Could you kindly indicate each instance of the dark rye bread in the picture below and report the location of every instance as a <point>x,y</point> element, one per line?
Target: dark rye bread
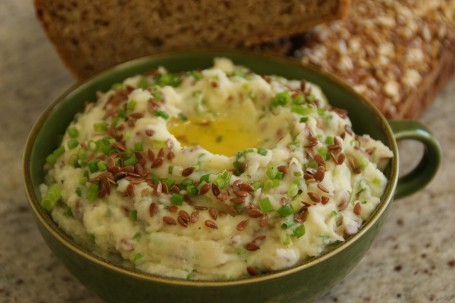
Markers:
<point>91,35</point>
<point>398,54</point>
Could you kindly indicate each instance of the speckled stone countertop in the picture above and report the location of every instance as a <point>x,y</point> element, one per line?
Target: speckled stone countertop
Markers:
<point>411,260</point>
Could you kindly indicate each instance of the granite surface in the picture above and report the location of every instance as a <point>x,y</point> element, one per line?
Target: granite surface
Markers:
<point>411,260</point>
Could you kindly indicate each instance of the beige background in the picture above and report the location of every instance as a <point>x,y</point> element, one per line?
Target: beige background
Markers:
<point>412,259</point>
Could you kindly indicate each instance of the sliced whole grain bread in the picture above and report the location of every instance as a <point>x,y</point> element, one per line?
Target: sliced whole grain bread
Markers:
<point>398,54</point>
<point>91,35</point>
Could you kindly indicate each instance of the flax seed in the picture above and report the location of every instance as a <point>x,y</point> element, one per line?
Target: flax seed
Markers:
<point>172,208</point>
<point>151,155</point>
<point>149,132</point>
<point>246,187</point>
<point>161,153</point>
<point>184,215</point>
<point>238,200</point>
<point>263,221</point>
<point>130,190</point>
<point>169,220</point>
<point>158,189</point>
<point>210,224</point>
<point>241,193</point>
<point>314,197</point>
<point>341,158</point>
<point>283,169</point>
<point>357,209</point>
<point>251,270</point>
<point>153,209</point>
<point>242,225</point>
<point>215,190</point>
<point>320,174</point>
<point>119,145</point>
<point>187,171</point>
<point>158,162</point>
<point>213,213</point>
<point>324,200</point>
<point>175,189</point>
<point>319,160</point>
<point>170,156</point>
<point>182,222</point>
<point>251,246</point>
<point>194,216</point>
<point>255,213</point>
<point>204,189</point>
<point>323,188</point>
<point>145,192</point>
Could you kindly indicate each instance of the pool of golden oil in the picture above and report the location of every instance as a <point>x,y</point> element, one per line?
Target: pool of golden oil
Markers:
<point>224,135</point>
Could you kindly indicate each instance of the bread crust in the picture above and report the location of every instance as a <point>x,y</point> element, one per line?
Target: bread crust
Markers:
<point>397,54</point>
<point>93,35</point>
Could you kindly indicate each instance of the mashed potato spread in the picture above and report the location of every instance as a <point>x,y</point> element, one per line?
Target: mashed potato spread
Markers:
<point>212,174</point>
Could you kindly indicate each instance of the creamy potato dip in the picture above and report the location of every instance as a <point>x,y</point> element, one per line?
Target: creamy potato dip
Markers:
<point>212,174</point>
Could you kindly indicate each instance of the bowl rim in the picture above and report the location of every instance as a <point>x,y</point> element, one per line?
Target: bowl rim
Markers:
<point>64,239</point>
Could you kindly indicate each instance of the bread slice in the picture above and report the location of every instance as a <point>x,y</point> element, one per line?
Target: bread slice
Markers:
<point>92,35</point>
<point>398,54</point>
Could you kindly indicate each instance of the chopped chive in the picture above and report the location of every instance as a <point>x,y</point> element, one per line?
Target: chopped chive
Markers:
<point>186,182</point>
<point>274,174</point>
<point>285,210</point>
<point>196,74</point>
<point>130,161</point>
<point>59,151</point>
<point>83,180</point>
<point>183,117</point>
<point>192,190</point>
<point>100,127</point>
<point>168,181</point>
<point>205,178</point>
<point>134,215</point>
<point>293,190</point>
<point>73,132</point>
<point>281,99</point>
<point>136,257</point>
<point>262,151</point>
<point>223,179</point>
<point>301,110</point>
<point>299,231</point>
<point>176,199</point>
<point>296,205</point>
<point>139,147</point>
<point>298,99</point>
<point>303,119</point>
<point>170,169</point>
<point>137,236</point>
<point>52,196</point>
<point>324,153</point>
<point>68,213</point>
<point>162,114</point>
<point>131,105</point>
<point>265,205</point>
<point>117,86</point>
<point>329,140</point>
<point>92,192</point>
<point>102,166</point>
<point>121,113</point>
<point>287,224</point>
<point>167,79</point>
<point>321,111</point>
<point>92,166</point>
<point>143,83</point>
<point>72,143</point>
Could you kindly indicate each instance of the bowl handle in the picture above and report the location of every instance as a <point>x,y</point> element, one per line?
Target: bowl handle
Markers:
<point>426,169</point>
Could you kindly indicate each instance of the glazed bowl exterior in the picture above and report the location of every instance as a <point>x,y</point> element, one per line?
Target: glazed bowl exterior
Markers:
<point>303,283</point>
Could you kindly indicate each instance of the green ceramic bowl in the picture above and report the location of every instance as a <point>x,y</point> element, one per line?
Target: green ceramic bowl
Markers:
<point>303,283</point>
